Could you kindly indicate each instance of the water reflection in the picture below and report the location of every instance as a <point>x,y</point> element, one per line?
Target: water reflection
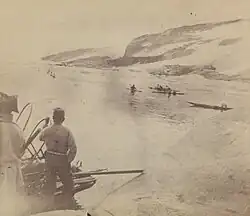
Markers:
<point>161,106</point>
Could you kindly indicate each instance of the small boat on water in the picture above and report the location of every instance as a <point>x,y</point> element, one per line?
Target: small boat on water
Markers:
<point>169,92</point>
<point>133,89</point>
<point>165,90</point>
<point>160,88</point>
<point>222,107</point>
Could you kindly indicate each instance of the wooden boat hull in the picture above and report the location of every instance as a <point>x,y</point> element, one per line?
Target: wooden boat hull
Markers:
<point>167,92</point>
<point>206,106</point>
<point>34,178</point>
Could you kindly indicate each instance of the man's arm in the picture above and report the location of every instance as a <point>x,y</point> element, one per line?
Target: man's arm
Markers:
<point>42,135</point>
<point>72,147</point>
<point>18,141</point>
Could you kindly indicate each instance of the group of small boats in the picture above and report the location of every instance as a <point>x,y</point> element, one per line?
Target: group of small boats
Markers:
<point>165,90</point>
<point>170,92</point>
<point>33,164</point>
<point>157,89</point>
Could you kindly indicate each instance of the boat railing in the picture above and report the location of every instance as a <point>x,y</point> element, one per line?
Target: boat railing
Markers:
<point>34,153</point>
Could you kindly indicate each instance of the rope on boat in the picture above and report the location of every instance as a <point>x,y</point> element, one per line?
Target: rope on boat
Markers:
<point>34,132</point>
<point>20,114</point>
<point>33,135</point>
<point>28,119</point>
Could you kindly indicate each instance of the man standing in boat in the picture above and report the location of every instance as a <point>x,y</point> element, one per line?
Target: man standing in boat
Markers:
<point>61,151</point>
<point>11,141</point>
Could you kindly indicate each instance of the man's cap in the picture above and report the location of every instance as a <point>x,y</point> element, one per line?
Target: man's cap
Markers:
<point>8,103</point>
<point>58,112</point>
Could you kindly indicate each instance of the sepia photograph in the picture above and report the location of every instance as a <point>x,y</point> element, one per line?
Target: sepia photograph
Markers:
<point>125,108</point>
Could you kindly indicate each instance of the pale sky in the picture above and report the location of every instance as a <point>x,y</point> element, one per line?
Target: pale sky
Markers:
<point>31,29</point>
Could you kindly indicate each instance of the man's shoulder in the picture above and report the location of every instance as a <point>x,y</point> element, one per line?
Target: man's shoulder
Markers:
<point>17,127</point>
<point>47,129</point>
<point>54,128</point>
<point>61,128</point>
<point>66,129</point>
<point>12,125</point>
<point>13,129</point>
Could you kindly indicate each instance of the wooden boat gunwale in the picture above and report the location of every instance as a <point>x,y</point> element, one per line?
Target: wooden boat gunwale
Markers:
<point>206,106</point>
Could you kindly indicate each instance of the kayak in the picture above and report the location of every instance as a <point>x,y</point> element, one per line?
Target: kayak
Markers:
<point>206,106</point>
<point>167,92</point>
<point>160,89</point>
<point>134,90</point>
